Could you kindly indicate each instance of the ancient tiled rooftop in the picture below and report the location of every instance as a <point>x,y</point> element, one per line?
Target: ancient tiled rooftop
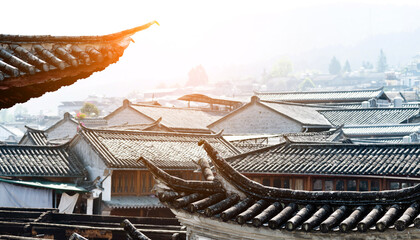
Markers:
<point>367,116</point>
<point>231,199</point>
<point>39,161</point>
<point>180,118</point>
<point>332,158</point>
<point>35,137</point>
<point>381,130</point>
<point>122,149</point>
<point>33,65</point>
<point>323,96</point>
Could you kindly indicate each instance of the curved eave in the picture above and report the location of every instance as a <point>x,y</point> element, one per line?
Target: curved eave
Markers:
<point>33,65</point>
<point>256,190</point>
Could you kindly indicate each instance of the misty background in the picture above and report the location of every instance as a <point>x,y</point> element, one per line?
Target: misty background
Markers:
<point>233,41</point>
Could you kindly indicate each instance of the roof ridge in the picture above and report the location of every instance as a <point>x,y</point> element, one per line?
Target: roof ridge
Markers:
<point>50,38</point>
<point>303,92</point>
<point>149,132</point>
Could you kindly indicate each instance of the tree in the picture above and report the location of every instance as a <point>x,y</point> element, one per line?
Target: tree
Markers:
<point>347,67</point>
<point>90,109</point>
<point>197,77</point>
<point>382,65</point>
<point>367,65</point>
<point>335,67</point>
<point>281,68</point>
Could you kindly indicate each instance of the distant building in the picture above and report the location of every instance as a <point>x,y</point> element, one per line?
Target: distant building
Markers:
<point>372,115</point>
<point>177,119</point>
<point>9,134</point>
<point>326,96</point>
<point>259,117</point>
<point>61,132</point>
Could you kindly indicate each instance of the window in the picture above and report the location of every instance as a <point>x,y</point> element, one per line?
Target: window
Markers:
<point>339,185</point>
<point>329,185</point>
<point>351,185</point>
<point>317,185</point>
<point>277,182</point>
<point>363,185</point>
<point>374,185</point>
<point>124,182</point>
<point>394,185</point>
<point>286,183</point>
<point>299,184</point>
<point>266,182</point>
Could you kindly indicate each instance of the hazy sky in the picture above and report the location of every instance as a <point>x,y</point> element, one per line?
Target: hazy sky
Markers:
<point>215,34</point>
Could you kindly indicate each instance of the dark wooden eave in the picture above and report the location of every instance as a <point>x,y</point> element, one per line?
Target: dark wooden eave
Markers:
<point>246,202</point>
<point>256,190</point>
<point>33,65</point>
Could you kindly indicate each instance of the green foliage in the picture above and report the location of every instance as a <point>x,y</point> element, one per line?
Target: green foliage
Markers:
<point>197,77</point>
<point>281,68</point>
<point>382,65</point>
<point>307,83</point>
<point>347,67</point>
<point>90,110</point>
<point>335,66</point>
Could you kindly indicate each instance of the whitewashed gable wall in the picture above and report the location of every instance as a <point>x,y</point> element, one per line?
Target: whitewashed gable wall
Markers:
<point>128,115</point>
<point>63,130</point>
<point>93,164</point>
<point>257,119</point>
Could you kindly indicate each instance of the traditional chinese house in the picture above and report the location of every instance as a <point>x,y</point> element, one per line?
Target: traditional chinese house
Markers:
<point>59,133</point>
<point>259,117</point>
<point>112,156</point>
<point>39,176</point>
<point>231,206</point>
<point>333,97</point>
<point>33,65</point>
<point>178,119</point>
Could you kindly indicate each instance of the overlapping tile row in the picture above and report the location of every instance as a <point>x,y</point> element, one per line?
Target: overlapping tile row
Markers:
<point>286,215</point>
<point>381,130</point>
<point>322,97</point>
<point>367,116</point>
<point>331,158</point>
<point>180,118</point>
<point>242,201</point>
<point>122,149</point>
<point>38,138</point>
<point>33,65</point>
<point>39,161</point>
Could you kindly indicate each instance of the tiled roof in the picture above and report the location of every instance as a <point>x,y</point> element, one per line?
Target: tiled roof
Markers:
<point>388,140</point>
<point>380,130</point>
<point>33,65</point>
<point>253,143</point>
<point>180,118</point>
<point>122,149</point>
<point>323,96</point>
<point>39,161</point>
<point>262,211</point>
<point>331,158</point>
<point>367,116</point>
<point>303,114</point>
<point>134,202</point>
<point>35,136</point>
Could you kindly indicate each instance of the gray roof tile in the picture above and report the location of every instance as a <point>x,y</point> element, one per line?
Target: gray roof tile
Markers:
<point>122,149</point>
<point>39,161</point>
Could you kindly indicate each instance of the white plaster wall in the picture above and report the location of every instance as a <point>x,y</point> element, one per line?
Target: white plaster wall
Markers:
<point>93,164</point>
<point>128,115</point>
<point>257,119</point>
<point>63,130</point>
